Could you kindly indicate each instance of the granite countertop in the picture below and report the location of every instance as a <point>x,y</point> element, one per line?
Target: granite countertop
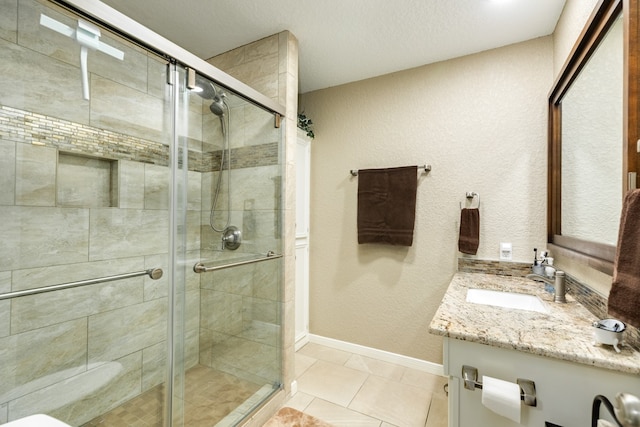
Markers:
<point>565,333</point>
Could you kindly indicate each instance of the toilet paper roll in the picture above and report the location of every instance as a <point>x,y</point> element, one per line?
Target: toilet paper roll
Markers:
<point>502,397</point>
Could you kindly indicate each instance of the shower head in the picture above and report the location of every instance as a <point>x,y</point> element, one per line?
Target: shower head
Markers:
<point>205,89</point>
<point>218,105</point>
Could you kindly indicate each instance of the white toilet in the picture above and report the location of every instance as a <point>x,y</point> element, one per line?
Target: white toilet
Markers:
<point>38,420</point>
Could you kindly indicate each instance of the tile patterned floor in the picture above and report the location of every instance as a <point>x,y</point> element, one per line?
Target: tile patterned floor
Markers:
<point>210,395</point>
<point>349,390</point>
<point>337,387</point>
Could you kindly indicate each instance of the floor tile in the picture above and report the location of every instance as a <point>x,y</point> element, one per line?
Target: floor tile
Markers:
<point>430,382</point>
<point>327,354</point>
<point>332,382</point>
<point>339,416</point>
<point>303,363</point>
<point>438,412</point>
<point>376,367</point>
<point>393,402</point>
<point>300,401</point>
<point>209,396</point>
<point>390,396</point>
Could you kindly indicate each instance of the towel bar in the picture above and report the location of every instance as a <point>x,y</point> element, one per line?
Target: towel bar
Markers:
<point>427,168</point>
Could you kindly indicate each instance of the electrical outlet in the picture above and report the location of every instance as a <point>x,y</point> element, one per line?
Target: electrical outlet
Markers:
<point>505,251</point>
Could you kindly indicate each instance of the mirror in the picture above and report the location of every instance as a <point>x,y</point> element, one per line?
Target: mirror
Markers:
<point>593,129</point>
<point>592,123</point>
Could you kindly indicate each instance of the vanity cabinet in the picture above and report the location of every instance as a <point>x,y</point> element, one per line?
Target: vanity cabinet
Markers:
<point>553,348</point>
<point>564,390</point>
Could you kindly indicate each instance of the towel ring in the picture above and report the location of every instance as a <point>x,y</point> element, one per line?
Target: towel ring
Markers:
<point>470,195</point>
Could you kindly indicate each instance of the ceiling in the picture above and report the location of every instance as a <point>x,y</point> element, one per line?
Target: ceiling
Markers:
<point>342,41</point>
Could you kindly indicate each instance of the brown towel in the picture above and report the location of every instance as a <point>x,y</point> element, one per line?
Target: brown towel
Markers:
<point>469,231</point>
<point>387,205</point>
<point>624,297</point>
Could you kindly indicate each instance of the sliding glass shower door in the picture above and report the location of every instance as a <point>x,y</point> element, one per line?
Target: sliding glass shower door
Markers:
<point>117,178</point>
<point>235,265</point>
<point>85,152</point>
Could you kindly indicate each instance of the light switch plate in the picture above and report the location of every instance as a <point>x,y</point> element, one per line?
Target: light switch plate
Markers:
<point>506,252</point>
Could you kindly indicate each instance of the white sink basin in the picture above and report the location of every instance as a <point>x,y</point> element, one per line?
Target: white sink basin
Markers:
<point>506,300</point>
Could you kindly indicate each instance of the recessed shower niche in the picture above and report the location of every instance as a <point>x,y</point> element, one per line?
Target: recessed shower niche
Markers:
<point>84,181</point>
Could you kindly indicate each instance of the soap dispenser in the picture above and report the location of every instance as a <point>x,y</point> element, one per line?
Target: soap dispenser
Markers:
<point>537,267</point>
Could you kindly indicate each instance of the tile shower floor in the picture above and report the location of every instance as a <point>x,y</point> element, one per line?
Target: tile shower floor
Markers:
<point>210,396</point>
<point>349,390</point>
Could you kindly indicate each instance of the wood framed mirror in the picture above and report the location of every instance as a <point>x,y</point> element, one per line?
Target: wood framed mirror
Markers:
<point>593,134</point>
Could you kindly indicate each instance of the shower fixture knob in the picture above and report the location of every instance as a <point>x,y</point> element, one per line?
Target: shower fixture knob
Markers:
<point>231,238</point>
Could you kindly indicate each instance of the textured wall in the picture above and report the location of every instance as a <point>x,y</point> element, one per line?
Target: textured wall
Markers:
<point>573,19</point>
<point>480,121</point>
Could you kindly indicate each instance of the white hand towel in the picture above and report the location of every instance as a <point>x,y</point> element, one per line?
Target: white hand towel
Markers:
<point>502,397</point>
<point>605,423</point>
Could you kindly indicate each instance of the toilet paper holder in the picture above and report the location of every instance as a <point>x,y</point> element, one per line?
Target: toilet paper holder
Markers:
<point>527,387</point>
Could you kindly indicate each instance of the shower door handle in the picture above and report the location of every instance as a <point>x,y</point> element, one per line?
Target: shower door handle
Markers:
<point>200,267</point>
<point>154,273</point>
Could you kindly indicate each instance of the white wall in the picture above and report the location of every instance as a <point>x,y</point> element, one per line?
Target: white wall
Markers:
<point>480,121</point>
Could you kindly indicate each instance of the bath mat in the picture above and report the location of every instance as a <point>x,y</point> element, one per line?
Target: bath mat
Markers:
<point>289,417</point>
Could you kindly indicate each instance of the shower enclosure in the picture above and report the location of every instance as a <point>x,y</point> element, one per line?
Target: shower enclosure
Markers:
<point>113,168</point>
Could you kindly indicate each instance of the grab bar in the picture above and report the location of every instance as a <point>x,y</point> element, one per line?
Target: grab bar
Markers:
<point>200,268</point>
<point>154,273</point>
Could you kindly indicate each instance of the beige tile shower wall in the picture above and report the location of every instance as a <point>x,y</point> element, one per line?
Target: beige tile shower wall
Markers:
<point>480,121</point>
<point>238,319</point>
<point>77,353</point>
<point>241,305</point>
<point>270,66</point>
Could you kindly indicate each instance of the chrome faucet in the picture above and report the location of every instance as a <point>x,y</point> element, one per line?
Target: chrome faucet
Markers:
<point>557,280</point>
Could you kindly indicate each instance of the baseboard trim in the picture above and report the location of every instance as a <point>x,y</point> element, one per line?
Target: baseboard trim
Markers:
<point>386,356</point>
<point>301,341</point>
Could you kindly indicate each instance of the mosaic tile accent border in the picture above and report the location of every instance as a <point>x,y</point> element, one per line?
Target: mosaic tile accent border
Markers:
<point>242,157</point>
<point>590,299</point>
<point>501,268</point>
<point>32,128</point>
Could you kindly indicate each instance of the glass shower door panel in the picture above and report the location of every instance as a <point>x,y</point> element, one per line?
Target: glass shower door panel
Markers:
<point>240,222</point>
<point>84,194</point>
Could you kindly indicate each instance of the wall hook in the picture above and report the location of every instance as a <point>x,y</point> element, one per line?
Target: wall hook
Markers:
<point>470,195</point>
